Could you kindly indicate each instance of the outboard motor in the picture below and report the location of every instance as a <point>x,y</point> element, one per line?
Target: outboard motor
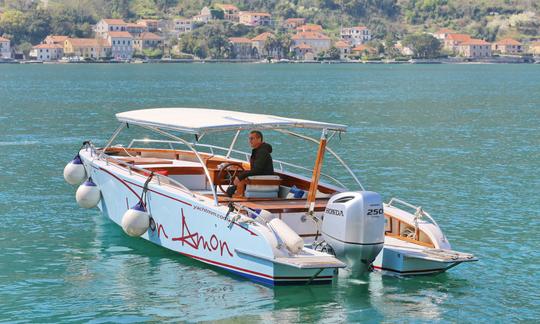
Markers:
<point>353,225</point>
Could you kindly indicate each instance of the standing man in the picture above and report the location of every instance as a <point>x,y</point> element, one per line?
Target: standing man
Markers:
<point>260,162</point>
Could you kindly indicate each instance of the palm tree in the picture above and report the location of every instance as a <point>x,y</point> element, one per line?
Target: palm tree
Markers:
<point>285,43</point>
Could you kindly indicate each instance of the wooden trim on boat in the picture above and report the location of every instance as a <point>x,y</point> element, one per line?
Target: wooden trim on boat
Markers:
<point>264,182</point>
<point>406,239</point>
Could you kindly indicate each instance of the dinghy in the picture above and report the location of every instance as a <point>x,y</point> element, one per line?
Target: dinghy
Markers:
<point>298,226</point>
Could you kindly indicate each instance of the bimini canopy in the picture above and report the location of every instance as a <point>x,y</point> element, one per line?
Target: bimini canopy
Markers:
<point>199,120</point>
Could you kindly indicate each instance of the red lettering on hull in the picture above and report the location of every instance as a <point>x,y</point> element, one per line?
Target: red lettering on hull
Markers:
<point>197,241</point>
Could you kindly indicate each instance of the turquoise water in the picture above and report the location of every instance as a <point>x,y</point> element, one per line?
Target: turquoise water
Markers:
<point>463,141</point>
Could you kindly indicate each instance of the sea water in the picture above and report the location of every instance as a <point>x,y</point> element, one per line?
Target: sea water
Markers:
<point>462,141</point>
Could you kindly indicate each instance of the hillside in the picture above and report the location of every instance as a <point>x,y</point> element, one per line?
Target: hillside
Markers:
<point>30,21</point>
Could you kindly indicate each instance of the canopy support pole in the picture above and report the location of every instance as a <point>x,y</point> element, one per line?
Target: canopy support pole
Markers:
<point>232,144</point>
<point>192,148</point>
<point>312,194</point>
<point>113,137</point>
<point>340,160</point>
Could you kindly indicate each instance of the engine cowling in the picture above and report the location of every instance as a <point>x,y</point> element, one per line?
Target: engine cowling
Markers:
<point>353,225</point>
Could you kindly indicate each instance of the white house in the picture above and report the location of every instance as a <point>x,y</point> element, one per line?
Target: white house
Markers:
<point>49,52</point>
<point>181,26</point>
<point>135,29</point>
<point>442,34</point>
<point>121,44</point>
<point>5,48</point>
<point>55,39</point>
<point>230,12</point>
<point>109,25</point>
<point>147,40</point>
<point>317,42</point>
<point>150,24</point>
<point>255,18</point>
<point>507,46</point>
<point>204,16</point>
<point>356,35</point>
<point>344,49</point>
<point>475,48</point>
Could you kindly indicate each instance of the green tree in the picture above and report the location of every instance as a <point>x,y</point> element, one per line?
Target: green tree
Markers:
<point>333,53</point>
<point>285,43</point>
<point>13,23</point>
<point>25,48</point>
<point>39,25</point>
<point>217,13</point>
<point>423,45</point>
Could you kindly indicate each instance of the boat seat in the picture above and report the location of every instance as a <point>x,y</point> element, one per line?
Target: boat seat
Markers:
<point>263,186</point>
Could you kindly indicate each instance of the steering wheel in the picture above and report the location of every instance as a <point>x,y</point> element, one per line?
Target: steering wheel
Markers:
<point>227,174</point>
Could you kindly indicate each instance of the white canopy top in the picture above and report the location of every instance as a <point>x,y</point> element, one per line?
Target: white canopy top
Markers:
<point>199,120</point>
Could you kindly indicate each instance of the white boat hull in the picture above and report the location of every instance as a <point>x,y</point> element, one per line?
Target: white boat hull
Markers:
<point>194,227</point>
<point>404,261</point>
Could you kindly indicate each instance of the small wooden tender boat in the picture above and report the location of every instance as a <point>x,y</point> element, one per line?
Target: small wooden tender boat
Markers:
<point>290,228</point>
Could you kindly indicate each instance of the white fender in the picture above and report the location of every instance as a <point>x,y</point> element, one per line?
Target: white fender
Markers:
<point>264,217</point>
<point>74,172</point>
<point>88,194</point>
<point>136,221</point>
<point>292,240</point>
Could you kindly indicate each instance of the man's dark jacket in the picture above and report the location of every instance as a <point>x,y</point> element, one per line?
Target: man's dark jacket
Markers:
<point>260,161</point>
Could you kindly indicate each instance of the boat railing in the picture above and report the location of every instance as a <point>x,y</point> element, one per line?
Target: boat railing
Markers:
<point>280,164</point>
<point>118,162</point>
<point>418,211</point>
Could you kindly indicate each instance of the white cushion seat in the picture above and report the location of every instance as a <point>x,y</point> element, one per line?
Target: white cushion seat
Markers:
<point>263,186</point>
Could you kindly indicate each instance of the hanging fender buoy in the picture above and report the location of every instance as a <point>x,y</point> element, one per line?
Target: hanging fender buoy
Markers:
<point>290,238</point>
<point>88,194</point>
<point>136,220</point>
<point>74,172</point>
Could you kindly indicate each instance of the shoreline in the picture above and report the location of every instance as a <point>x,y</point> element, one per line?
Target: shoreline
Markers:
<point>492,60</point>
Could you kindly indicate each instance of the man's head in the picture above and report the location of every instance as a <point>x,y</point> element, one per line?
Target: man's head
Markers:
<point>255,139</point>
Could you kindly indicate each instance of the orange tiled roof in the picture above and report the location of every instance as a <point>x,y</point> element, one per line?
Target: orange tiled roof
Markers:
<point>114,21</point>
<point>359,27</point>
<point>226,6</point>
<point>48,46</point>
<point>149,36</point>
<point>473,41</point>
<point>134,25</point>
<point>84,42</point>
<point>2,39</point>
<point>120,34</point>
<point>249,13</point>
<point>310,35</point>
<point>262,37</point>
<point>239,40</point>
<point>361,48</point>
<point>459,37</point>
<point>291,20</point>
<point>309,28</point>
<point>508,41</point>
<point>303,46</point>
<point>341,44</point>
<point>57,38</point>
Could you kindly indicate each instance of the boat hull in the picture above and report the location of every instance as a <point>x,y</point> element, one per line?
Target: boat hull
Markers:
<point>193,227</point>
<point>404,258</point>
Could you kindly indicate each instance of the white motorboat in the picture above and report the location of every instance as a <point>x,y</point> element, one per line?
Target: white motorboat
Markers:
<point>288,229</point>
<point>414,243</point>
